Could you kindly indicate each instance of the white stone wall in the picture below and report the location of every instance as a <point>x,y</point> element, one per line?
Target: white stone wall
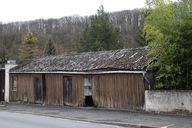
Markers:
<point>7,68</point>
<point>168,101</point>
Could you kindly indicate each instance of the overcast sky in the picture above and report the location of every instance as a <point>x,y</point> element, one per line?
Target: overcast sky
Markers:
<point>23,10</point>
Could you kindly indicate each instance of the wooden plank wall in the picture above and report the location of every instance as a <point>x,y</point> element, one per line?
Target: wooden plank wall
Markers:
<point>53,93</point>
<point>2,84</point>
<point>124,91</point>
<point>25,88</point>
<point>78,90</point>
<point>54,89</point>
<point>109,90</point>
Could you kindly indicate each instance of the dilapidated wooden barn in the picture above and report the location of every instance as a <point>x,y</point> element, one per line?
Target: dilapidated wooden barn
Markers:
<point>112,79</point>
<point>2,84</point>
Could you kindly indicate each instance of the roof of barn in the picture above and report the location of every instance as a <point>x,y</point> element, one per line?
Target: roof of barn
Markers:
<point>132,59</point>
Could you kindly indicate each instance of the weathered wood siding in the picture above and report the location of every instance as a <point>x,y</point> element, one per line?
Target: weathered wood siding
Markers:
<point>118,91</point>
<point>25,88</point>
<point>53,88</point>
<point>78,90</point>
<point>2,84</point>
<point>109,90</point>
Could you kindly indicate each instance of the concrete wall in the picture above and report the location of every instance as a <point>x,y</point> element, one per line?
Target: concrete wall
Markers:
<point>10,64</point>
<point>168,101</point>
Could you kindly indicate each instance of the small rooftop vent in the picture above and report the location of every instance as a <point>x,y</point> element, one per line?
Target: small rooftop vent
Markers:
<point>11,62</point>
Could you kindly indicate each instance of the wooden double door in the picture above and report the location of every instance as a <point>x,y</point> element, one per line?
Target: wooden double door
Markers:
<point>67,90</point>
<point>39,87</point>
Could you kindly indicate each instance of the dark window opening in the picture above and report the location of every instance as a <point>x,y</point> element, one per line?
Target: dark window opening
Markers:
<point>88,101</point>
<point>14,83</point>
<point>88,86</point>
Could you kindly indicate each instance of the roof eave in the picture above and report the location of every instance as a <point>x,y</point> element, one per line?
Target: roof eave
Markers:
<point>84,73</point>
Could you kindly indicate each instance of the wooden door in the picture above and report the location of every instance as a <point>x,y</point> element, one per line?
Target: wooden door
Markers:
<point>38,90</point>
<point>67,90</point>
<point>2,84</point>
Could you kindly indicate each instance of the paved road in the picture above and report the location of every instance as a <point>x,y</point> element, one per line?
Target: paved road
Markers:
<point>118,118</point>
<point>17,120</point>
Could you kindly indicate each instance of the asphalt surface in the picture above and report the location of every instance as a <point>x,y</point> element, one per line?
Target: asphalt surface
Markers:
<point>102,116</point>
<point>17,120</point>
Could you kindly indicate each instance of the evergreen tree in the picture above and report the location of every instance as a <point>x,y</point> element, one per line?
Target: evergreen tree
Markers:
<point>49,49</point>
<point>167,31</point>
<point>100,34</point>
<point>28,47</point>
<point>3,55</point>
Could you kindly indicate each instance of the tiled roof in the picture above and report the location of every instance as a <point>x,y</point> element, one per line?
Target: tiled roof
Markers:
<point>132,59</point>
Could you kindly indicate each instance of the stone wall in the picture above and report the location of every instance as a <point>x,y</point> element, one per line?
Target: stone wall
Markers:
<point>168,101</point>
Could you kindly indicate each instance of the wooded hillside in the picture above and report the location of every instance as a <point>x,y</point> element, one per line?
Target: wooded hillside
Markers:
<point>66,32</point>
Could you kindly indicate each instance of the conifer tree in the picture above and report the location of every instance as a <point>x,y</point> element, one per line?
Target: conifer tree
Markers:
<point>28,47</point>
<point>100,34</point>
<point>3,55</point>
<point>49,49</point>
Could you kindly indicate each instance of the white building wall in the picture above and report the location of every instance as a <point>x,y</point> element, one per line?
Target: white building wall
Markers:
<point>10,64</point>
